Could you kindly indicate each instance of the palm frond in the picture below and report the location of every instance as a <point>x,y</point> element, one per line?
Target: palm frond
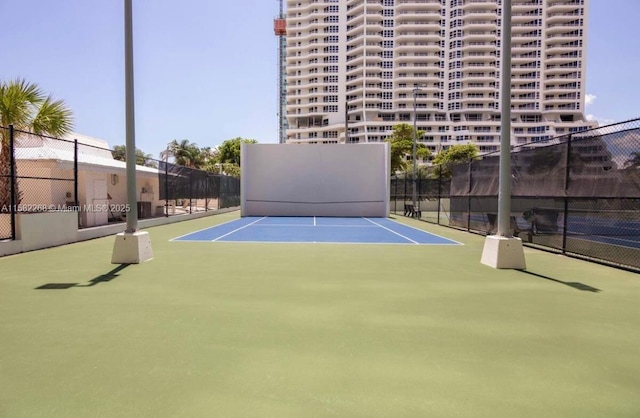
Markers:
<point>18,101</point>
<point>53,118</point>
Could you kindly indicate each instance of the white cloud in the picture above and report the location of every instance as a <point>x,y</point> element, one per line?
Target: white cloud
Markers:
<point>601,121</point>
<point>589,99</point>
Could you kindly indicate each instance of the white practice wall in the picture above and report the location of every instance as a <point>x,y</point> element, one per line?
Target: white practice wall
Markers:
<point>315,180</point>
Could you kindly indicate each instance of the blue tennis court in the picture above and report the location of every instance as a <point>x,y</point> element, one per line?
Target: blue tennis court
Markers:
<point>316,230</point>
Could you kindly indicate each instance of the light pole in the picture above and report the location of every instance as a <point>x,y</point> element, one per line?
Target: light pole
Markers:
<point>503,250</point>
<point>131,246</point>
<point>416,89</point>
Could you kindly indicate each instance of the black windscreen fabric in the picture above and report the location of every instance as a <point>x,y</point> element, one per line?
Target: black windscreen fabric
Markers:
<point>178,182</point>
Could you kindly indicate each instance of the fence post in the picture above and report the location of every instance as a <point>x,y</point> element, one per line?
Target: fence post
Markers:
<point>166,189</point>
<point>567,179</point>
<point>12,179</point>
<point>190,193</point>
<point>75,173</point>
<point>404,196</point>
<point>439,191</point>
<point>469,199</point>
<point>206,193</point>
<point>76,202</point>
<point>419,183</point>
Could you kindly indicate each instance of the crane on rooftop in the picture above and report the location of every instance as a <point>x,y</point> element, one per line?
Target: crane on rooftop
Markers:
<point>280,29</point>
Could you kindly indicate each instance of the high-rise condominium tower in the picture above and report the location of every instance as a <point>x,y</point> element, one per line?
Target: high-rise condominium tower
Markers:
<point>382,62</point>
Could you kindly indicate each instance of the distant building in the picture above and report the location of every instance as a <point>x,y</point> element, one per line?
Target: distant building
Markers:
<point>365,58</point>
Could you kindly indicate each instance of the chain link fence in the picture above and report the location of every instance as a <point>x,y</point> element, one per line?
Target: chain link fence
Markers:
<point>578,194</point>
<point>43,174</point>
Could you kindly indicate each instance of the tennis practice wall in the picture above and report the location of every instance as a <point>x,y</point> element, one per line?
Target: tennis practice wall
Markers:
<point>315,180</point>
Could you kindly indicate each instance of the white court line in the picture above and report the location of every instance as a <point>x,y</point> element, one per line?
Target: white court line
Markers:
<point>313,242</point>
<point>426,232</point>
<point>204,229</point>
<point>319,226</point>
<point>609,237</point>
<point>390,230</point>
<point>237,229</point>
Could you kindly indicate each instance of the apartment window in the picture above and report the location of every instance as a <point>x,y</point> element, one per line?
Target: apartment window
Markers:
<point>387,54</point>
<point>387,44</point>
<point>387,3</point>
<point>387,95</point>
<point>387,13</point>
<point>531,118</point>
<point>331,9</point>
<point>537,130</point>
<point>387,33</point>
<point>387,64</point>
<point>387,85</point>
<point>331,19</point>
<point>331,39</point>
<point>387,74</point>
<point>388,23</point>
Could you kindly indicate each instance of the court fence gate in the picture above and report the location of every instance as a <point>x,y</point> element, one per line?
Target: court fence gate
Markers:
<point>577,194</point>
<point>40,174</point>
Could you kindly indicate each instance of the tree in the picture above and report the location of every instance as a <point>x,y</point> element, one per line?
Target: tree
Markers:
<point>25,106</point>
<point>453,155</point>
<point>633,161</point>
<point>119,153</point>
<point>229,150</point>
<point>184,153</point>
<point>402,146</point>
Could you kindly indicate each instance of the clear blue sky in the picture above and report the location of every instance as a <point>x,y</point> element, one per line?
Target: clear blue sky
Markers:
<point>206,70</point>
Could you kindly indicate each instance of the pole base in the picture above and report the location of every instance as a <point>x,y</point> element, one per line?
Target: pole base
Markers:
<point>132,248</point>
<point>503,253</point>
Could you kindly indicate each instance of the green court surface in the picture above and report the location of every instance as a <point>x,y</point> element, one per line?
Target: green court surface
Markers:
<point>314,330</point>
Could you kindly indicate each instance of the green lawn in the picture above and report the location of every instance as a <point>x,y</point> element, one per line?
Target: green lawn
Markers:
<point>313,330</point>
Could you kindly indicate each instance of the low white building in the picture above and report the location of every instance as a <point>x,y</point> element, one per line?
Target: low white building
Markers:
<point>45,167</point>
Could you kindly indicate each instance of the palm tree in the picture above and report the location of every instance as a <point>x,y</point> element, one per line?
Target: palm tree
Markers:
<point>25,106</point>
<point>184,153</point>
<point>119,153</point>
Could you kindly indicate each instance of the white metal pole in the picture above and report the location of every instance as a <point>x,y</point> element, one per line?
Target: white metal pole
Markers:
<point>504,193</point>
<point>132,200</point>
